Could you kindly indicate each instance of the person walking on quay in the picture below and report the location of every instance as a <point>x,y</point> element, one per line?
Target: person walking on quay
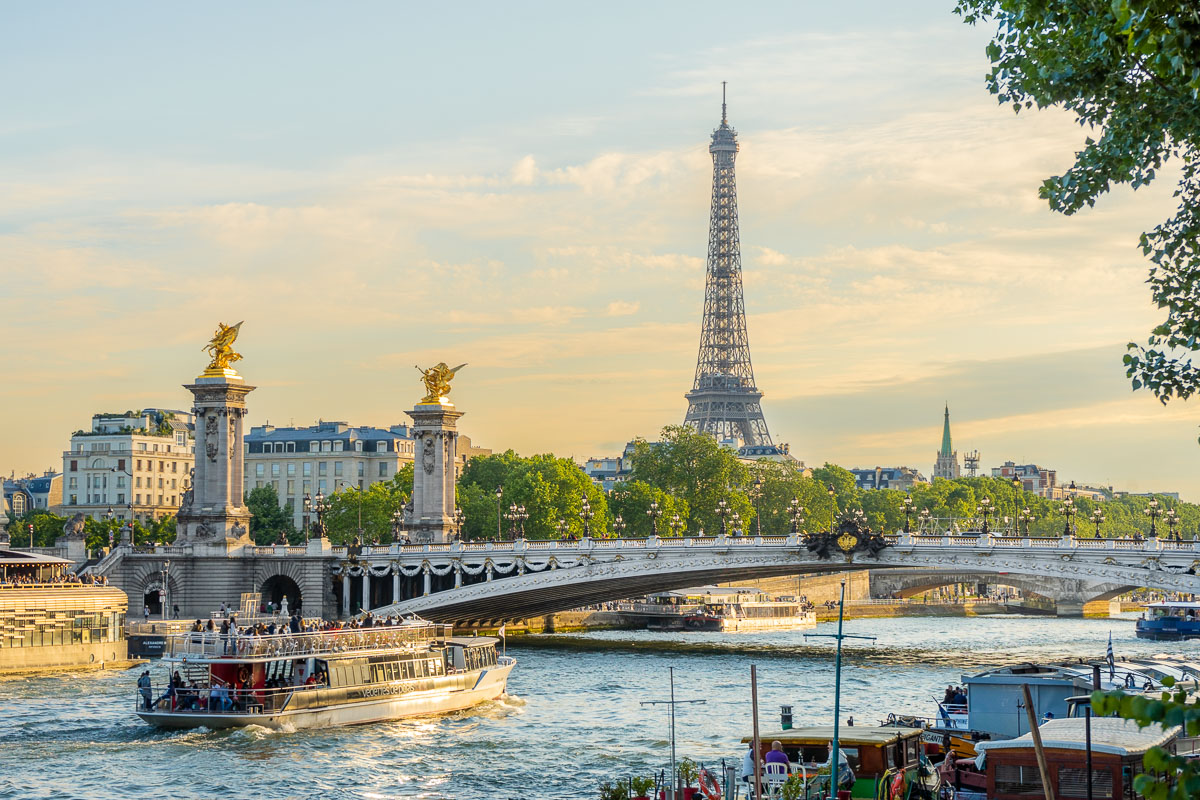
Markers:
<point>175,610</point>
<point>146,612</point>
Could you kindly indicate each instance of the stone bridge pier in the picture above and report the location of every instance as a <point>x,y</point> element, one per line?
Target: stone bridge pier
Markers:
<point>1068,594</point>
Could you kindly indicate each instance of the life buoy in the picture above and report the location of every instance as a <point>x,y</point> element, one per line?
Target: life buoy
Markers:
<point>244,673</point>
<point>709,785</point>
<point>897,789</point>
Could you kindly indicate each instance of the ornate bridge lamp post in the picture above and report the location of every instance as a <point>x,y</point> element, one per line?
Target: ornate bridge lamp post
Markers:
<point>1172,525</point>
<point>499,498</point>
<point>795,512</point>
<point>522,515</point>
<point>654,512</point>
<point>1153,511</point>
<point>676,523</point>
<point>397,524</point>
<point>1068,509</point>
<point>832,504</point>
<point>561,527</point>
<point>459,519</point>
<point>516,517</point>
<point>736,519</point>
<point>1097,520</point>
<point>758,484</point>
<point>907,506</point>
<point>307,511</point>
<point>619,526</point>
<point>586,515</point>
<point>925,520</point>
<point>722,511</point>
<point>1026,516</point>
<point>986,507</point>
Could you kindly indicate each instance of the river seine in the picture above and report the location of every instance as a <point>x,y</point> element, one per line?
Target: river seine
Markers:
<point>572,718</point>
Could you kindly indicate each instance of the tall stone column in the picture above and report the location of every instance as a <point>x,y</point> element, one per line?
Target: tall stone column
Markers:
<point>431,519</point>
<point>214,510</point>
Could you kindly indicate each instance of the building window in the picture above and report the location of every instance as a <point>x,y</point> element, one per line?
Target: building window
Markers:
<point>120,498</point>
<point>291,469</point>
<point>322,468</point>
<point>383,469</point>
<point>160,497</point>
<point>321,487</point>
<point>358,446</point>
<point>120,481</point>
<point>268,447</point>
<point>139,463</point>
<point>362,465</point>
<point>74,466</point>
<point>326,447</point>
<point>258,471</point>
<point>71,484</point>
<point>337,447</point>
<point>337,469</point>
<point>121,464</point>
<point>173,486</point>
<point>291,487</point>
<point>275,470</point>
<point>174,466</point>
<point>74,500</point>
<point>308,469</point>
<point>291,447</point>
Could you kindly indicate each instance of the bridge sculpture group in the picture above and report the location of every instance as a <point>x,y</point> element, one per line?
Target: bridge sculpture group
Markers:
<point>496,581</point>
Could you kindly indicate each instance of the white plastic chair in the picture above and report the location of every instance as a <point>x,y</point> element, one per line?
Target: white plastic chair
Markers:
<point>774,776</point>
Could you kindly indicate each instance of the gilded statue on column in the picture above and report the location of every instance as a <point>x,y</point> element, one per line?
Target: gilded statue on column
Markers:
<point>437,381</point>
<point>220,347</point>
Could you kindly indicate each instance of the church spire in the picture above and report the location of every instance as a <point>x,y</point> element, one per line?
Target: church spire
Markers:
<point>946,448</point>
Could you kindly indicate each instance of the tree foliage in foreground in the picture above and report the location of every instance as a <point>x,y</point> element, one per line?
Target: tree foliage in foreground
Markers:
<point>1167,776</point>
<point>1130,72</point>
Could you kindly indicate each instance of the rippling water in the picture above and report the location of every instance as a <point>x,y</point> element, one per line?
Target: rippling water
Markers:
<point>572,719</point>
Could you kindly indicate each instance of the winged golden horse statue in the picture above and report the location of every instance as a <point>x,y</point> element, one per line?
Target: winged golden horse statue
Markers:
<point>221,346</point>
<point>437,381</point>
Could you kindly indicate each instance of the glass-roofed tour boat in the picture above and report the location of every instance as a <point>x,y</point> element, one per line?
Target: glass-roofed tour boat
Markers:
<point>321,678</point>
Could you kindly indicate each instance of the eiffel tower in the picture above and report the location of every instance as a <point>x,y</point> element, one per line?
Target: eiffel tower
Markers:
<point>724,400</point>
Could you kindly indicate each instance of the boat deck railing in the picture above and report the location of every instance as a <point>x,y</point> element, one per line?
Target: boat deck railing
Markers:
<point>216,699</point>
<point>297,645</point>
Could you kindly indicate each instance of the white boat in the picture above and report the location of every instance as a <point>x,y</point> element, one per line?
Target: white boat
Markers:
<point>322,679</point>
<point>718,608</point>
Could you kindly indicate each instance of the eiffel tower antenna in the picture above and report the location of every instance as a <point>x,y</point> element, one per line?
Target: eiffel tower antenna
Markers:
<point>724,400</point>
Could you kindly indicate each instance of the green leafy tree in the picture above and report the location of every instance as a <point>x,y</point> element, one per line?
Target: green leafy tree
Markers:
<point>268,519</point>
<point>632,501</point>
<point>696,469</point>
<point>1129,70</point>
<point>549,488</point>
<point>1167,776</point>
<point>376,506</point>
<point>47,528</point>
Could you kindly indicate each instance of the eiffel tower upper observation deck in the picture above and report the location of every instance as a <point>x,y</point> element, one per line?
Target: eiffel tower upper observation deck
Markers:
<point>724,400</point>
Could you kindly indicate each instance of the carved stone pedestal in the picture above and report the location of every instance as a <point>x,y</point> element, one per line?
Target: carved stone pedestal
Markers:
<point>214,509</point>
<point>431,518</point>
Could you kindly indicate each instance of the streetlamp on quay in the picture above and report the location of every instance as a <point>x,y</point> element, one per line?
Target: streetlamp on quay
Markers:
<point>166,592</point>
<point>320,506</point>
<point>499,497</point>
<point>758,484</point>
<point>832,492</point>
<point>907,506</point>
<point>1097,520</point>
<point>676,523</point>
<point>722,511</point>
<point>795,512</point>
<point>1068,510</point>
<point>586,514</point>
<point>654,512</point>
<point>108,519</point>
<point>459,519</point>
<point>1026,516</point>
<point>986,507</point>
<point>1153,511</point>
<point>1172,525</point>
<point>619,525</point>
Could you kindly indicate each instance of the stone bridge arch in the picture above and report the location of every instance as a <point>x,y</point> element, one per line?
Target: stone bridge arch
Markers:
<point>147,584</point>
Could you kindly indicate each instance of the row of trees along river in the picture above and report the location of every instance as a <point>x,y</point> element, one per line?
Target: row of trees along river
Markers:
<point>687,474</point>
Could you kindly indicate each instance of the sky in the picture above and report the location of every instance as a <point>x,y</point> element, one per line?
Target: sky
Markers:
<point>525,187</point>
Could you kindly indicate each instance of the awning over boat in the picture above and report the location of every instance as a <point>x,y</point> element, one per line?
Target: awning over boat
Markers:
<point>19,558</point>
<point>848,735</point>
<point>471,641</point>
<point>1121,737</point>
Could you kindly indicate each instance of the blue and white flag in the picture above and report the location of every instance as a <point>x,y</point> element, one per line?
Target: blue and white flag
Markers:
<point>1109,658</point>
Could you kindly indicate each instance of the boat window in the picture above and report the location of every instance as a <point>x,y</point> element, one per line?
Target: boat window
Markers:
<point>408,670</point>
<point>1072,782</point>
<point>1018,779</point>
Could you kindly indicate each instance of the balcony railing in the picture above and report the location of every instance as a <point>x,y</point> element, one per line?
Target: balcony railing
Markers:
<point>289,645</point>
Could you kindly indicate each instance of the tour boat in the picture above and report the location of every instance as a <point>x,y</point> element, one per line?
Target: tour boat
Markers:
<point>1170,620</point>
<point>322,679</point>
<point>716,608</point>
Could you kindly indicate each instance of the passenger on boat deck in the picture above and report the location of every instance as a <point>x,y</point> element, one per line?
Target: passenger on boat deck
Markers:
<point>748,764</point>
<point>144,689</point>
<point>198,627</point>
<point>210,627</point>
<point>776,754</point>
<point>960,697</point>
<point>949,698</point>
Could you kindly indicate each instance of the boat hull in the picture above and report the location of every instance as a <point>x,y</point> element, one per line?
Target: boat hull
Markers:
<point>1157,631</point>
<point>490,685</point>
